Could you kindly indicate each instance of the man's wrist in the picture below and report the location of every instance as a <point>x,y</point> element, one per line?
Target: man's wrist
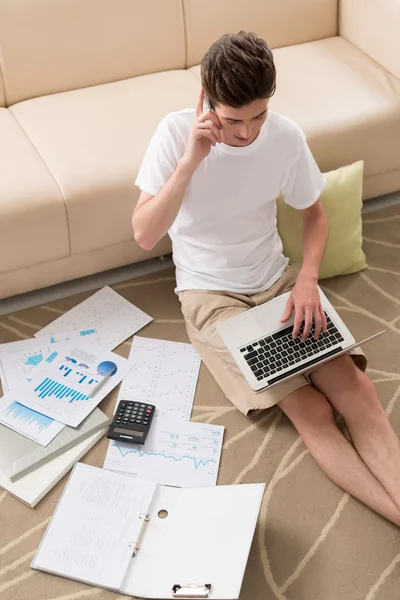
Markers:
<point>308,274</point>
<point>186,168</point>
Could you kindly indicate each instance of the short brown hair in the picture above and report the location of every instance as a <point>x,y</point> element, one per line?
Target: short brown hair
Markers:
<point>238,69</point>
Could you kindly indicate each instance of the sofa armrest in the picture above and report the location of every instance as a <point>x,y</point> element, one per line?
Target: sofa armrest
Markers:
<point>373,26</point>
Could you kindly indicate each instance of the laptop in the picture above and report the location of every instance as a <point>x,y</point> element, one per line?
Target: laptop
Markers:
<point>267,354</point>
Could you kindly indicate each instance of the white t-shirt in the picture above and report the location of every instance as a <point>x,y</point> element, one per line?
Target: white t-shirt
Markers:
<point>225,236</point>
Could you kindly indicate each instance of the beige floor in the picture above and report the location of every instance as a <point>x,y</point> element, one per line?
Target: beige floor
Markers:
<point>312,541</point>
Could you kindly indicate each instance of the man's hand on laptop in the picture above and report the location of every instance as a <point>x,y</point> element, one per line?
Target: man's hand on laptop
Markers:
<point>306,303</point>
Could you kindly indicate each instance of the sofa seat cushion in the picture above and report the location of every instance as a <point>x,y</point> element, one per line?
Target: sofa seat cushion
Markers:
<point>347,104</point>
<point>33,221</point>
<point>93,141</point>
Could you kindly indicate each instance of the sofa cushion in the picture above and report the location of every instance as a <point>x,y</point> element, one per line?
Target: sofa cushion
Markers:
<point>373,27</point>
<point>342,201</point>
<point>49,46</point>
<point>348,106</point>
<point>33,222</point>
<point>280,22</point>
<point>93,141</point>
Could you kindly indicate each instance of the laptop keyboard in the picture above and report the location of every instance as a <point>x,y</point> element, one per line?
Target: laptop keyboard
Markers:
<point>279,351</point>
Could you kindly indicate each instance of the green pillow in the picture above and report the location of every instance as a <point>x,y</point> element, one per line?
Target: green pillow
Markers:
<point>342,200</point>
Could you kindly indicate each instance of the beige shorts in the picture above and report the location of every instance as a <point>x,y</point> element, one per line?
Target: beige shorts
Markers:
<point>203,309</point>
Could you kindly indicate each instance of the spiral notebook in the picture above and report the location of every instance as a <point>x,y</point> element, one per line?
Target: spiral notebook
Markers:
<point>143,539</point>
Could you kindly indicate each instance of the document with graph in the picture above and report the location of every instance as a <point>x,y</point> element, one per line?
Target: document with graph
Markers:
<point>23,356</point>
<point>28,422</point>
<point>164,374</point>
<point>63,386</point>
<point>178,453</point>
<point>114,318</point>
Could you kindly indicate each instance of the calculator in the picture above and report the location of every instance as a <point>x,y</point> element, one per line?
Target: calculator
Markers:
<point>131,422</point>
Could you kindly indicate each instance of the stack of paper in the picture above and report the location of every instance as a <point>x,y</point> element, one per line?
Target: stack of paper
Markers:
<point>52,385</point>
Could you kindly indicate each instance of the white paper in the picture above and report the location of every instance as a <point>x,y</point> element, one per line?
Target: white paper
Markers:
<point>178,454</point>
<point>95,526</point>
<point>114,318</point>
<point>31,488</point>
<point>29,423</point>
<point>17,364</point>
<point>164,374</point>
<point>61,388</point>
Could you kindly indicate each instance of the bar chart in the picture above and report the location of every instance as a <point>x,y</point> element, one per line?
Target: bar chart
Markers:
<point>49,388</point>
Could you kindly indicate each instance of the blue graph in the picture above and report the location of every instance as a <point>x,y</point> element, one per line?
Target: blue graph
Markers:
<point>34,360</point>
<point>51,357</point>
<point>196,462</point>
<point>22,414</point>
<point>87,332</point>
<point>67,370</point>
<point>105,367</point>
<point>50,388</point>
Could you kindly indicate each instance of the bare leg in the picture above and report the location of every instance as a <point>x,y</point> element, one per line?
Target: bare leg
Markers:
<point>353,395</point>
<point>312,415</point>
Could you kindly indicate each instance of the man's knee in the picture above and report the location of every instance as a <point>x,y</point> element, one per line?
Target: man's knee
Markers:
<point>306,407</point>
<point>340,376</point>
<point>363,395</point>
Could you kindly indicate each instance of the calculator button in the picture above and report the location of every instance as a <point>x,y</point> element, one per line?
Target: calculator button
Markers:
<point>149,407</point>
<point>148,412</point>
<point>138,421</point>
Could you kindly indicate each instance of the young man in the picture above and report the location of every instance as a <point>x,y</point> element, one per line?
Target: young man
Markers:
<point>210,178</point>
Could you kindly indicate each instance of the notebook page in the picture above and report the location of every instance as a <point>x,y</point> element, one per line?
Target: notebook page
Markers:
<point>91,533</point>
<point>207,540</point>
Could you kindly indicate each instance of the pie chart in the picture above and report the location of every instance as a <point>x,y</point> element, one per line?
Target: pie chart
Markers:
<point>105,367</point>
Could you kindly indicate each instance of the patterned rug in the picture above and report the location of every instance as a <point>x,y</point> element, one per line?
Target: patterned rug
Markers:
<point>312,542</point>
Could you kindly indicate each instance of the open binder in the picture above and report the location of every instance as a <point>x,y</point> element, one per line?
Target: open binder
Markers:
<point>142,539</point>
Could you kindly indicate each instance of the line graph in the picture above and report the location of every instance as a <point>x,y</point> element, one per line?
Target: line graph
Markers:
<point>164,373</point>
<point>196,462</point>
<point>178,453</point>
<point>114,318</point>
<point>172,390</point>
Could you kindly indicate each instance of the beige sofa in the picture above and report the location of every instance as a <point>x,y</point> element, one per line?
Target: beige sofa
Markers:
<point>83,84</point>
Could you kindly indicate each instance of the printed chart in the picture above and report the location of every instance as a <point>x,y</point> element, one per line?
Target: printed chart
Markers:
<point>65,389</point>
<point>29,423</point>
<point>23,356</point>
<point>164,374</point>
<point>16,366</point>
<point>114,318</point>
<point>178,454</point>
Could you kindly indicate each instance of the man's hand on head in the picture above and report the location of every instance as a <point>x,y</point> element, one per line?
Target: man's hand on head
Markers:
<point>305,301</point>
